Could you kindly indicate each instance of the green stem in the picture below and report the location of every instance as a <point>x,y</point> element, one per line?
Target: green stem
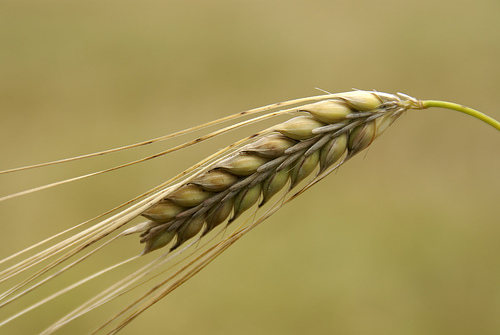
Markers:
<point>460,108</point>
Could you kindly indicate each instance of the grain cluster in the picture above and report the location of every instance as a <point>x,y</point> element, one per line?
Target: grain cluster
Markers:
<point>327,133</point>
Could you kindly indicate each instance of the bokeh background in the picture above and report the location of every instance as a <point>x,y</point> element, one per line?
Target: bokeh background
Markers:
<point>402,240</point>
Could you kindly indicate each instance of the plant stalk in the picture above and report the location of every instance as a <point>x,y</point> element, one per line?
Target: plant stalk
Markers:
<point>460,108</point>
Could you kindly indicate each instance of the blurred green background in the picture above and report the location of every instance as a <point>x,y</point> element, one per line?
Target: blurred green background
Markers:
<point>402,240</point>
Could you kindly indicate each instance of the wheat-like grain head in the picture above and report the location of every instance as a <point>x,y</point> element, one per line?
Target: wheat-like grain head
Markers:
<point>330,131</point>
<point>325,132</point>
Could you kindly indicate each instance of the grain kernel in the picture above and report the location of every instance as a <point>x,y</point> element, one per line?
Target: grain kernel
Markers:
<point>299,128</point>
<point>329,111</point>
<point>189,195</point>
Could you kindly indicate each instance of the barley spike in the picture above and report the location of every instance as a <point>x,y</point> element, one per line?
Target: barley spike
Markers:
<point>191,208</point>
<point>287,153</point>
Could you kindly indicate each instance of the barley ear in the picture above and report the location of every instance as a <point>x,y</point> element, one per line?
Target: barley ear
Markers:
<point>213,193</point>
